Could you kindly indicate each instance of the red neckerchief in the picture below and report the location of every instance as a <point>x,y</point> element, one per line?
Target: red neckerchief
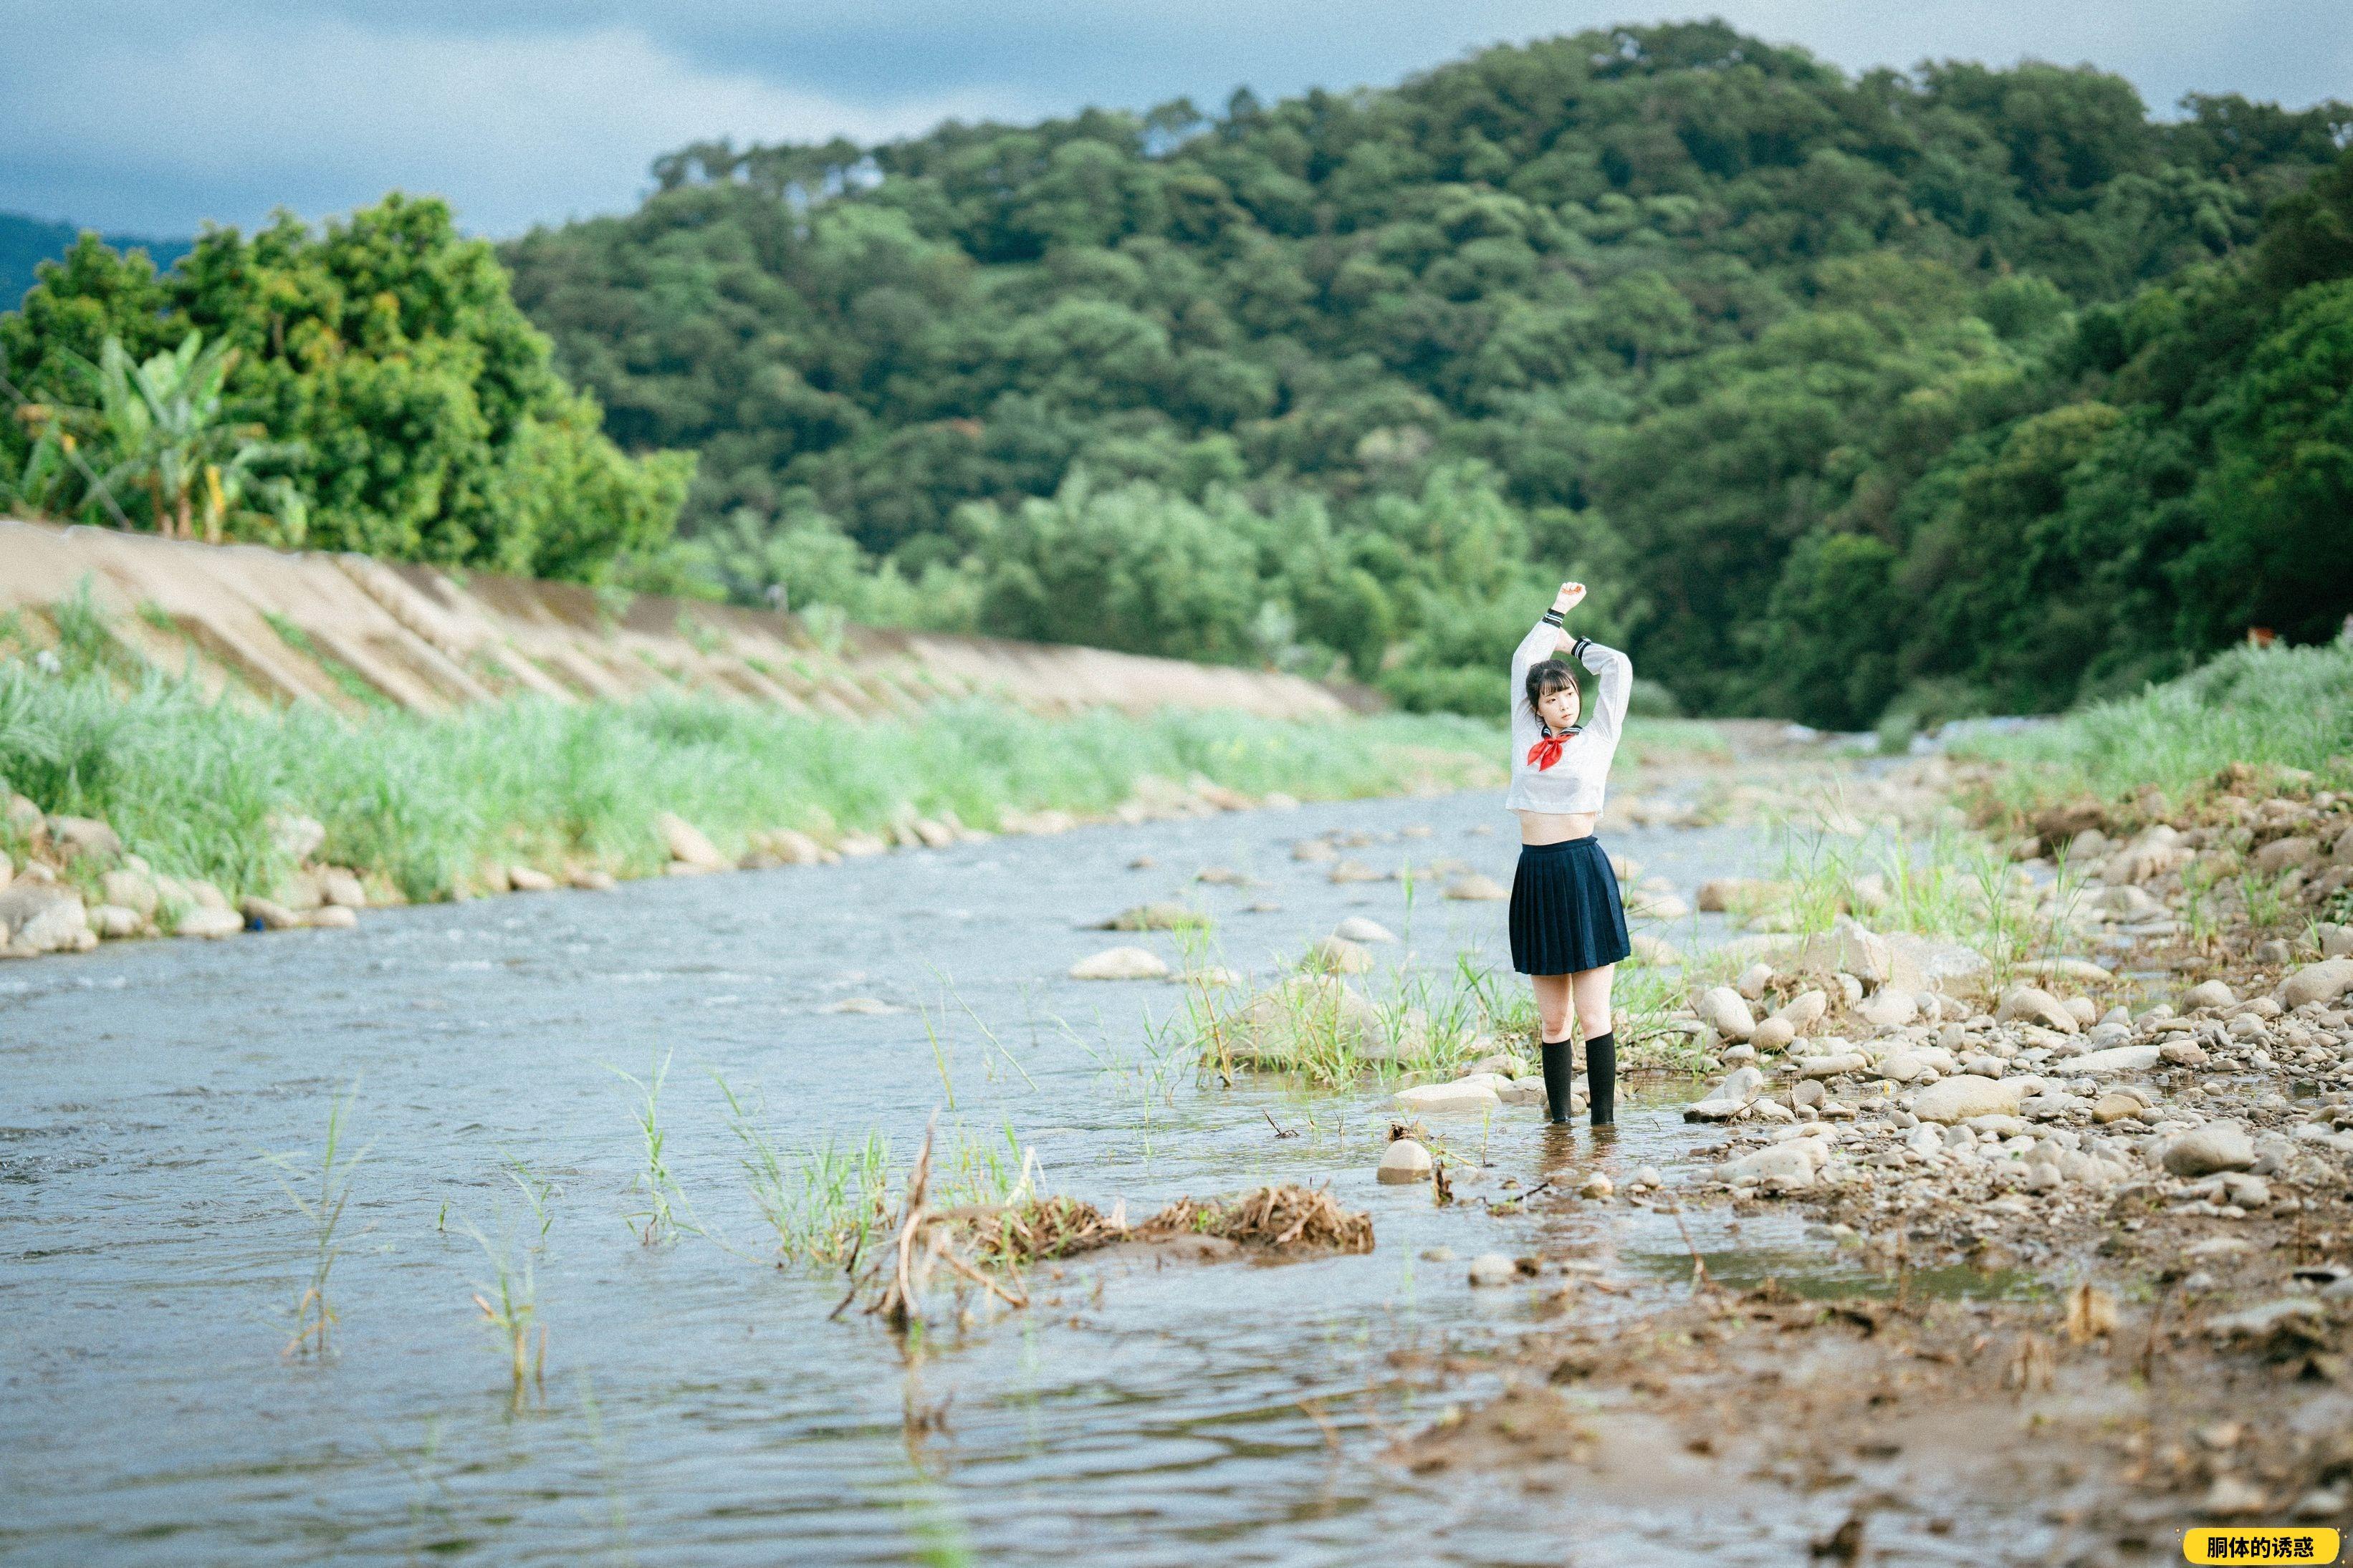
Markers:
<point>1547,752</point>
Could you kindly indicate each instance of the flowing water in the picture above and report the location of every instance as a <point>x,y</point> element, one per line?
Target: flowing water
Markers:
<point>701,1406</point>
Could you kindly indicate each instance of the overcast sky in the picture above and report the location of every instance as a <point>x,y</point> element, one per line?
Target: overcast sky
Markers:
<point>153,116</point>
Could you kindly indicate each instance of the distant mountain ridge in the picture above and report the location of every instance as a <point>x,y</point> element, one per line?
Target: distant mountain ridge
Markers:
<point>26,242</point>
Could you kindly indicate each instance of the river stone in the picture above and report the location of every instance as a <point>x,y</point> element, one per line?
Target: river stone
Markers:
<point>1723,1009</point>
<point>1153,917</point>
<point>297,838</point>
<point>2208,994</point>
<point>1477,888</point>
<point>686,843</point>
<point>206,920</point>
<point>2322,981</point>
<point>1803,1010</point>
<point>1598,1185</point>
<point>1658,954</point>
<point>2115,1108</point>
<point>1753,980</point>
<point>1306,1014</point>
<point>132,891</point>
<point>2287,854</point>
<point>1849,948</point>
<point>1313,849</point>
<point>41,917</point>
<point>333,917</point>
<point>1120,964</point>
<point>1784,1164</point>
<point>2031,1004</point>
<point>269,915</point>
<point>1934,959</point>
<point>2204,1150</point>
<point>1733,895</point>
<point>1725,1100</point>
<point>1492,1268</point>
<point>2081,970</point>
<point>78,835</point>
<point>1957,1099</point>
<point>933,835</point>
<point>1905,1066</point>
<point>1404,1161</point>
<point>527,880</point>
<point>113,922</point>
<point>1337,955</point>
<point>2116,1059</point>
<point>1832,1065</point>
<point>1358,929</point>
<point>1890,1008</point>
<point>1774,1034</point>
<point>1463,1094</point>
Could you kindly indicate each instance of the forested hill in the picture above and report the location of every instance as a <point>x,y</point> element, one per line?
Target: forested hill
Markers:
<point>26,242</point>
<point>1961,388</point>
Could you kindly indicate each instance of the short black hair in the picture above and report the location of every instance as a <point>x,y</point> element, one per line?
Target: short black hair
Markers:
<point>1547,676</point>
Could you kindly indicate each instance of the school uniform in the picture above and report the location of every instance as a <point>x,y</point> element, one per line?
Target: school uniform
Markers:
<point>1567,915</point>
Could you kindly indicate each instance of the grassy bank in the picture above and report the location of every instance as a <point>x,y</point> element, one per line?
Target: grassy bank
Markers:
<point>2264,708</point>
<point>191,783</point>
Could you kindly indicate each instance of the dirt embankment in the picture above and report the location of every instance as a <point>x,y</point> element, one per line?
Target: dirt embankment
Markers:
<point>347,631</point>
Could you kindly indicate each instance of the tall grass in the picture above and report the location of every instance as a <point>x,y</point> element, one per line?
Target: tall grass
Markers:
<point>659,1220</point>
<point>319,1190</point>
<point>2286,707</point>
<point>825,1206</point>
<point>190,781</point>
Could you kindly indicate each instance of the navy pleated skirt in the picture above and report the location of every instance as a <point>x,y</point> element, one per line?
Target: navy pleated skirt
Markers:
<point>1567,916</point>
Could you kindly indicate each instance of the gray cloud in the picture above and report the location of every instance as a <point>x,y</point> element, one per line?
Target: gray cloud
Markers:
<point>139,114</point>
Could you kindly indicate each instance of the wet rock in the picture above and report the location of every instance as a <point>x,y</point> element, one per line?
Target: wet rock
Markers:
<point>1597,1186</point>
<point>1476,888</point>
<point>688,845</point>
<point>1120,964</point>
<point>132,891</point>
<point>871,1005</point>
<point>1490,1270</point>
<point>333,917</point>
<point>1647,1176</point>
<point>206,920</point>
<point>1404,1161</point>
<point>1959,1098</point>
<point>1753,980</point>
<point>113,922</point>
<point>1786,1164</point>
<point>1313,849</point>
<point>2118,1058</point>
<point>2204,1150</point>
<point>2322,981</point>
<point>1153,917</point>
<point>1465,1094</point>
<point>1739,1088</point>
<point>1775,1033</point>
<point>2031,1004</point>
<point>1337,955</point>
<point>1723,1009</point>
<point>2208,994</point>
<point>1358,929</point>
<point>1307,1014</point>
<point>526,879</point>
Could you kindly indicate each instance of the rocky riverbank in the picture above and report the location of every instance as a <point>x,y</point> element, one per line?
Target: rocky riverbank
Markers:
<point>2135,1088</point>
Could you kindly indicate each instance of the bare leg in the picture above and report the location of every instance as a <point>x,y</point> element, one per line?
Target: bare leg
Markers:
<point>1592,991</point>
<point>1553,1004</point>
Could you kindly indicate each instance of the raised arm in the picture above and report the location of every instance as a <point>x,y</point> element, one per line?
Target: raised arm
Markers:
<point>1546,638</point>
<point>1615,678</point>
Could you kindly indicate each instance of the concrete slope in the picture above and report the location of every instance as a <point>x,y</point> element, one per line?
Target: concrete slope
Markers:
<point>353,633</point>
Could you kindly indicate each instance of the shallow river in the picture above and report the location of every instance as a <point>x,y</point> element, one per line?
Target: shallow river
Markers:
<point>700,1407</point>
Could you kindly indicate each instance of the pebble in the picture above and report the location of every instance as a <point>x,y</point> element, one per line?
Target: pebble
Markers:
<point>1492,1268</point>
<point>1724,1009</point>
<point>1120,964</point>
<point>1479,1093</point>
<point>1358,929</point>
<point>2204,1150</point>
<point>1477,888</point>
<point>1961,1097</point>
<point>1404,1161</point>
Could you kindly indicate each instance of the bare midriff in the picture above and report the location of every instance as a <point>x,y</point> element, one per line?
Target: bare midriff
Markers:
<point>1557,827</point>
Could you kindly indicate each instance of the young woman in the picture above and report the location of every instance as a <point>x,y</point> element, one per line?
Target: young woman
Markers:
<point>1568,925</point>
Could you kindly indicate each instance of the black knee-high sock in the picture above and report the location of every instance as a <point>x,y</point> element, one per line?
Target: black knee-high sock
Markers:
<point>1560,1078</point>
<point>1601,1077</point>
